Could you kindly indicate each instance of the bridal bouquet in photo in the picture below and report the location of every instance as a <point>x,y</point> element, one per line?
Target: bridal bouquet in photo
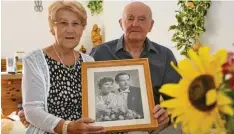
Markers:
<point>118,113</point>
<point>203,98</point>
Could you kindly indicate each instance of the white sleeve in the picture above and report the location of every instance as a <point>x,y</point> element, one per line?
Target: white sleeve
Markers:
<point>33,93</point>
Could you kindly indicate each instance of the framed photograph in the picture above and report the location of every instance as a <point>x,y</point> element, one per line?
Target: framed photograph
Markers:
<point>118,95</point>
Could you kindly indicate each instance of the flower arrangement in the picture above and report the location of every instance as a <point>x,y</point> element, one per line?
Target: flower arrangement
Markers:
<point>120,113</point>
<point>228,71</point>
<point>228,87</point>
<point>202,98</point>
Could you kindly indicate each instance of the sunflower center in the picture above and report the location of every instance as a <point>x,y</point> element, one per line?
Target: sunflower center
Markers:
<point>197,92</point>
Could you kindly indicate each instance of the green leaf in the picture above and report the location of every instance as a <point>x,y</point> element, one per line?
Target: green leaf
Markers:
<point>179,18</point>
<point>179,46</point>
<point>208,5</point>
<point>173,39</point>
<point>172,27</point>
<point>95,6</point>
<point>182,53</point>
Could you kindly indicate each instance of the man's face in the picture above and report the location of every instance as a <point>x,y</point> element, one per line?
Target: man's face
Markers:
<point>124,82</point>
<point>136,22</point>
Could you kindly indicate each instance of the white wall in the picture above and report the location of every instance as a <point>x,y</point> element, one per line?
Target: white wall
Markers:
<point>220,26</point>
<point>25,29</point>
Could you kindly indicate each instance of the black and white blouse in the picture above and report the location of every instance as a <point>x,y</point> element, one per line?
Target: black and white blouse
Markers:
<point>64,99</point>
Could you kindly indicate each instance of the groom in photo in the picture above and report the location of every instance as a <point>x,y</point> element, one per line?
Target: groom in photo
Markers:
<point>130,95</point>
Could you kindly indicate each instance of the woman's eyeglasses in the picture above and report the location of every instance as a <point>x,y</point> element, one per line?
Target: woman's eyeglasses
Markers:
<point>65,24</point>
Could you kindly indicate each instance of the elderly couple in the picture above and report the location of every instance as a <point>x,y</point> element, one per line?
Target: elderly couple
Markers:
<point>51,84</point>
<point>127,97</point>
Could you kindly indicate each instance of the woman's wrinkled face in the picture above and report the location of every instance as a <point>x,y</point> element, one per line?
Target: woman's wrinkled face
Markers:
<point>106,87</point>
<point>67,29</point>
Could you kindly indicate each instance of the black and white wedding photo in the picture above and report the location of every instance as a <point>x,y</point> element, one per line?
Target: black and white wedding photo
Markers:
<point>118,96</point>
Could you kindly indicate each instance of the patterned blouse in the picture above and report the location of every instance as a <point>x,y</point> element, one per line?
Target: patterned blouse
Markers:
<point>64,99</point>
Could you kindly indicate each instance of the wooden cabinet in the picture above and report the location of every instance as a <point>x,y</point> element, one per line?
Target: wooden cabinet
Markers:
<point>11,92</point>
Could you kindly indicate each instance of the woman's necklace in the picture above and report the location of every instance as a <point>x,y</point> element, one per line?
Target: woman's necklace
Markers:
<point>69,68</point>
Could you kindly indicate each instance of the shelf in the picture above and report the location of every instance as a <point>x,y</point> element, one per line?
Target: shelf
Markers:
<point>6,75</point>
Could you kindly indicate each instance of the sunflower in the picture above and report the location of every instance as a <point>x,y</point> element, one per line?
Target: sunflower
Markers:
<point>197,103</point>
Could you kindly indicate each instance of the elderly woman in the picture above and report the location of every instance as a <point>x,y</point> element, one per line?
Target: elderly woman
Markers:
<point>51,82</point>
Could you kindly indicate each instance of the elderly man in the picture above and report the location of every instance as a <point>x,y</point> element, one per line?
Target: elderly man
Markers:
<point>136,22</point>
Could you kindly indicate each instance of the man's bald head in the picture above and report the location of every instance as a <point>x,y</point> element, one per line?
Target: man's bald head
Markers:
<point>139,6</point>
<point>136,21</point>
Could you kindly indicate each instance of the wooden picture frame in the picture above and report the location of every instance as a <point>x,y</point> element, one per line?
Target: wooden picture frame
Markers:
<point>115,115</point>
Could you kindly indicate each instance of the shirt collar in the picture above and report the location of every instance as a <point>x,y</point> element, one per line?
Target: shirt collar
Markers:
<point>125,91</point>
<point>119,44</point>
<point>148,45</point>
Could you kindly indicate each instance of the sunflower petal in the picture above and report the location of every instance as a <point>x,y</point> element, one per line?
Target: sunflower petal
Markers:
<point>223,99</point>
<point>208,121</point>
<point>173,103</point>
<point>170,110</point>
<point>227,110</point>
<point>186,68</point>
<point>183,119</point>
<point>176,121</point>
<point>194,122</point>
<point>172,90</point>
<point>219,122</point>
<point>177,111</point>
<point>205,57</point>
<point>204,51</point>
<point>195,58</point>
<point>211,97</point>
<point>220,57</point>
<point>185,128</point>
